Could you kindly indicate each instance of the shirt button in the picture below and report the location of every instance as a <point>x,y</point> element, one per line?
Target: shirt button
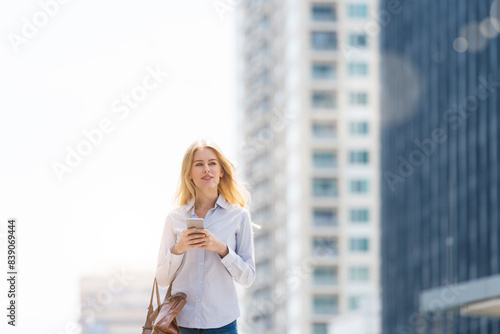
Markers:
<point>199,300</point>
<point>201,263</point>
<point>199,282</point>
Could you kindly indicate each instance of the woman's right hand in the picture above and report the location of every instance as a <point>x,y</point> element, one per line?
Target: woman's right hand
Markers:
<point>187,241</point>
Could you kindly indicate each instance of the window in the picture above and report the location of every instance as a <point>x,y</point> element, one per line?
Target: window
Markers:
<point>359,215</point>
<point>359,186</point>
<point>324,217</point>
<point>255,3</point>
<point>262,294</point>
<point>97,327</point>
<point>261,25</point>
<point>325,246</point>
<point>323,71</point>
<point>262,214</point>
<point>262,77</point>
<point>259,80</point>
<point>354,302</point>
<point>358,98</point>
<point>323,40</point>
<point>261,106</point>
<point>262,188</point>
<point>358,128</point>
<point>325,187</point>
<point>264,268</point>
<point>261,319</point>
<point>320,328</point>
<point>325,276</point>
<point>359,245</point>
<point>262,51</point>
<point>325,305</point>
<point>324,159</point>
<point>358,157</point>
<point>358,69</point>
<point>323,13</point>
<point>357,11</point>
<point>261,161</point>
<point>263,240</point>
<point>322,130</point>
<point>359,274</point>
<point>358,40</point>
<point>323,100</point>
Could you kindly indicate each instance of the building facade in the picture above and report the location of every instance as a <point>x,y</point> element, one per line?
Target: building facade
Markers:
<point>116,303</point>
<point>308,96</point>
<point>440,167</point>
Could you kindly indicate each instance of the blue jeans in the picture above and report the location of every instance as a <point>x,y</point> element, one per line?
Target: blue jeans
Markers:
<point>228,329</point>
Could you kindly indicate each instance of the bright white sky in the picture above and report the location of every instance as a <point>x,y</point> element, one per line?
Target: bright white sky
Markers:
<point>109,211</point>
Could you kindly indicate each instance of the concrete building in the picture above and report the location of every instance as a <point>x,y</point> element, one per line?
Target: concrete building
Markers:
<point>440,164</point>
<point>309,116</point>
<point>116,303</point>
<point>365,319</point>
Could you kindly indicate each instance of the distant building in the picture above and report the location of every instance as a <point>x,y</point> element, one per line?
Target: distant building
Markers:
<point>440,167</point>
<point>308,97</point>
<point>364,320</point>
<point>116,303</point>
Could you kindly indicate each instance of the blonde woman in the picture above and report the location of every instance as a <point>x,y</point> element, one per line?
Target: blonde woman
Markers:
<point>206,265</point>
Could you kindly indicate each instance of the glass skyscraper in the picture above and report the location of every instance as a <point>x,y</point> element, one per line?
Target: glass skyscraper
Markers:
<point>440,162</point>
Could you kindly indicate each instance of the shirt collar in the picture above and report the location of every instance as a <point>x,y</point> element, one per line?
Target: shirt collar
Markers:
<point>221,201</point>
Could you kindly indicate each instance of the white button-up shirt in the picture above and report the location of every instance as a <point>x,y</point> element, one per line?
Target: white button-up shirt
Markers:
<point>205,277</point>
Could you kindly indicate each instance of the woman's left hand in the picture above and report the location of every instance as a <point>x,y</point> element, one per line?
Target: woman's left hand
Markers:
<point>212,243</point>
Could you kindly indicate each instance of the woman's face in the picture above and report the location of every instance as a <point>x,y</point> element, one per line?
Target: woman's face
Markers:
<point>205,169</point>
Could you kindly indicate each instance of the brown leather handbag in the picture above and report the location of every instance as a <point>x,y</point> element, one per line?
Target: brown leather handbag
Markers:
<point>162,320</point>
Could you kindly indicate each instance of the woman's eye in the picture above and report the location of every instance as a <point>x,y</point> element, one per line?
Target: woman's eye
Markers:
<point>213,163</point>
<point>199,164</point>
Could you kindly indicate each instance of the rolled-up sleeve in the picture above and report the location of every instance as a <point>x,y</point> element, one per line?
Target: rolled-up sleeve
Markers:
<point>240,262</point>
<point>168,263</point>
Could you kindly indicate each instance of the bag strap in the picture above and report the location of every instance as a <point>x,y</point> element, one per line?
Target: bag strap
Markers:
<point>169,291</point>
<point>155,284</point>
<point>147,328</point>
<point>153,313</point>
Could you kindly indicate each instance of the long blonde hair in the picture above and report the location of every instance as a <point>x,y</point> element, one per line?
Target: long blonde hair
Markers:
<point>232,190</point>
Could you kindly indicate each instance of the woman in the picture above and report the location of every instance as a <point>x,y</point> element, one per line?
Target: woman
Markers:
<point>205,265</point>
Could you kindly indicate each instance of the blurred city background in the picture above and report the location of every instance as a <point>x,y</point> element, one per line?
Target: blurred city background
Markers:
<point>367,131</point>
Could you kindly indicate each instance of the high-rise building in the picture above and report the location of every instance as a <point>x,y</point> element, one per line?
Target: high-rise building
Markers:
<point>309,99</point>
<point>440,167</point>
<point>116,303</point>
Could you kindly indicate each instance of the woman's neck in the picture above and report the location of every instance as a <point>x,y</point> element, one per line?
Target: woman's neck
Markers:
<point>205,201</point>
